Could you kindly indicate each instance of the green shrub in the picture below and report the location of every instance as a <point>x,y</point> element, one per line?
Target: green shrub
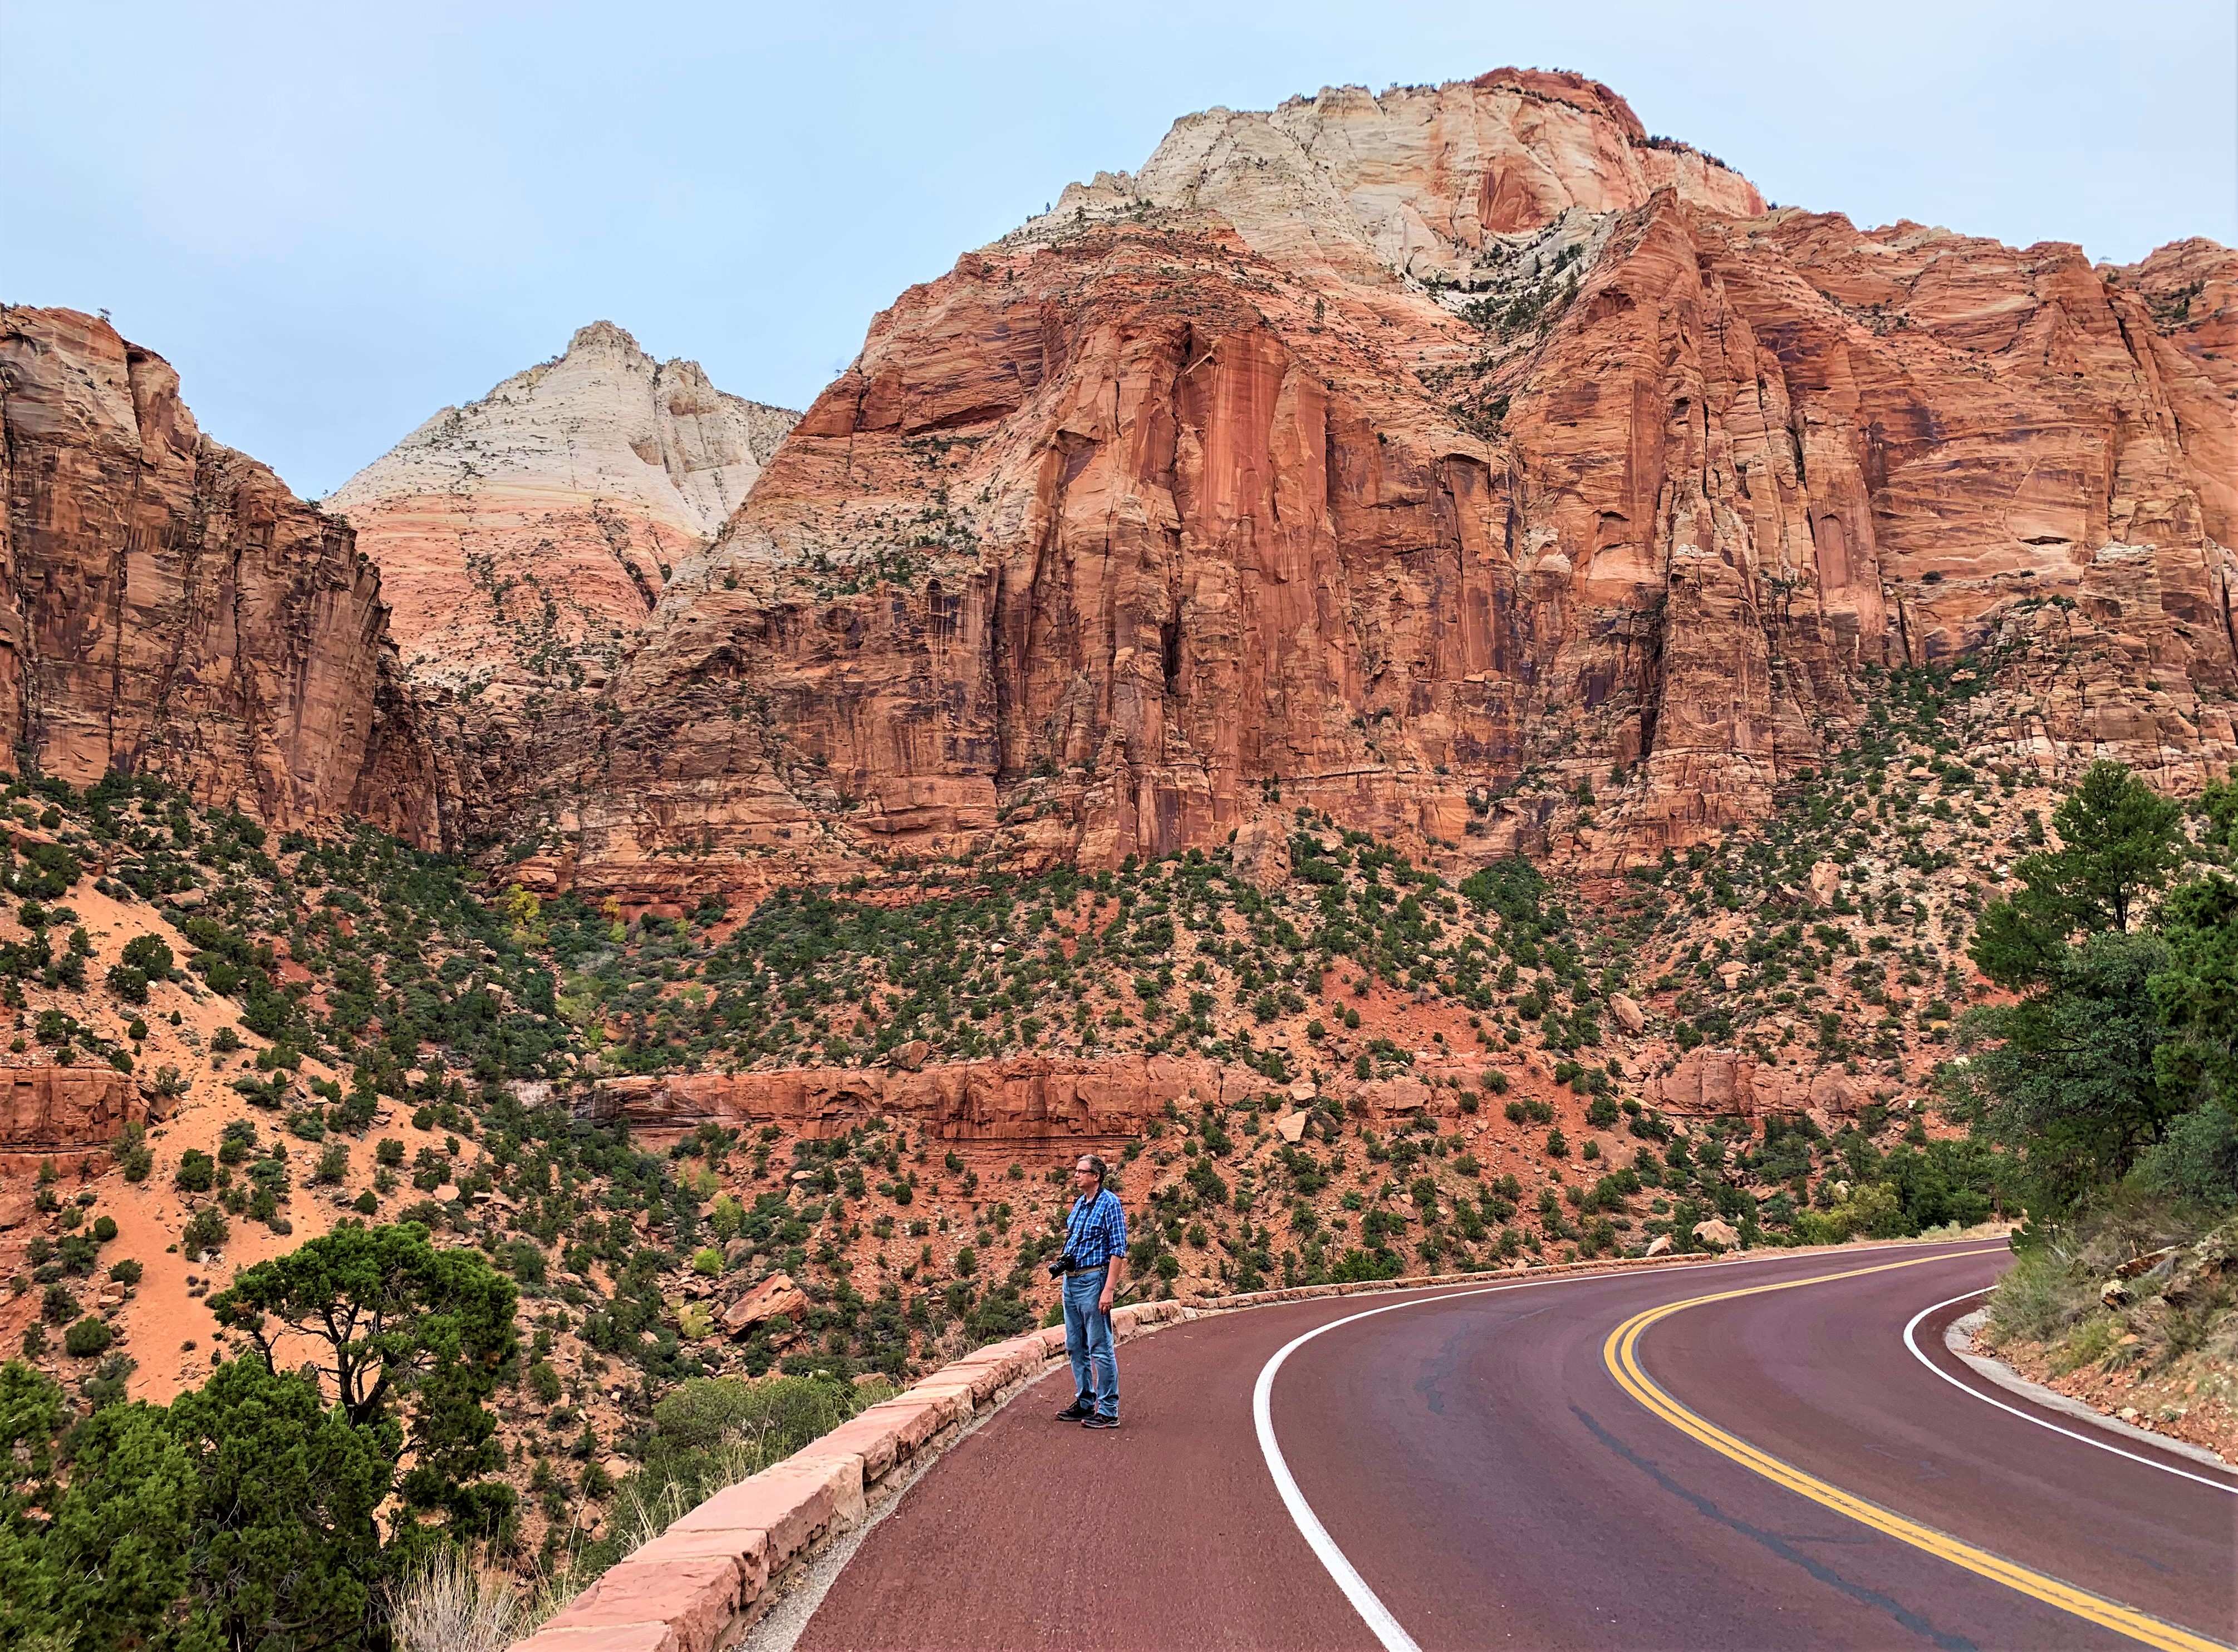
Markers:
<point>87,1337</point>
<point>196,1174</point>
<point>205,1230</point>
<point>149,955</point>
<point>126,1272</point>
<point>2196,1160</point>
<point>134,1157</point>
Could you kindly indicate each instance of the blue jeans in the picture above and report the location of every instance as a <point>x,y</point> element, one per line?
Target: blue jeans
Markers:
<point>1087,1340</point>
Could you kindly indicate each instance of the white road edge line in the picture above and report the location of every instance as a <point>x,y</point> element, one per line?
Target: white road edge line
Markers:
<point>1968,1387</point>
<point>1365,1600</point>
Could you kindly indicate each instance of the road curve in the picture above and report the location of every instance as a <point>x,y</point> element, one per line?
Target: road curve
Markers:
<point>1483,1467</point>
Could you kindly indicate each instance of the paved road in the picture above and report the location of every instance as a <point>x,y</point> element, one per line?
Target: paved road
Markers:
<point>1485,1477</point>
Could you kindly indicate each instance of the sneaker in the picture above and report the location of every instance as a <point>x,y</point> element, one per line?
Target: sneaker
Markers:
<point>1075,1412</point>
<point>1096,1419</point>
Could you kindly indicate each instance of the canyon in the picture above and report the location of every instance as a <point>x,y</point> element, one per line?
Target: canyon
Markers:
<point>1078,728</point>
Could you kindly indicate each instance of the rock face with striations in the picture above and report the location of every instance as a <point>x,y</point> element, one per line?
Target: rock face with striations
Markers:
<point>525,538</point>
<point>66,1109</point>
<point>1429,458</point>
<point>1024,1097</point>
<point>167,605</point>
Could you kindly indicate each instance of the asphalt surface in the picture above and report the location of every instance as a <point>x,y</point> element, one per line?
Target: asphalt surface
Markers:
<point>1473,1459</point>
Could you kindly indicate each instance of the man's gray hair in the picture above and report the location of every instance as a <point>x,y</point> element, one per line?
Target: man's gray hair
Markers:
<point>1095,1163</point>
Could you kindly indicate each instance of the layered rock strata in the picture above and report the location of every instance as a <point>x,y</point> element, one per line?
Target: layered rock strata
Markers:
<point>66,1109</point>
<point>1024,1099</point>
<point>1463,461</point>
<point>59,1119</point>
<point>524,539</point>
<point>167,605</point>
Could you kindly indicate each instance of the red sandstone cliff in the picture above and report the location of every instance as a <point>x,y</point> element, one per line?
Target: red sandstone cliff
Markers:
<point>167,605</point>
<point>66,1109</point>
<point>1423,458</point>
<point>1018,1099</point>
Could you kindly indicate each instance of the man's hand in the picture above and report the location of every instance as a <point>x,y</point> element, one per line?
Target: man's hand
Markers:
<point>1103,1302</point>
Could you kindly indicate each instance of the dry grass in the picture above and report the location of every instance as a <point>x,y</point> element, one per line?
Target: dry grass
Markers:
<point>451,1602</point>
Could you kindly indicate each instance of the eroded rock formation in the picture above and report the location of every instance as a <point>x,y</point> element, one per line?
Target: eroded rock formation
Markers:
<point>1463,461</point>
<point>525,538</point>
<point>167,605</point>
<point>1017,1098</point>
<point>1712,1083</point>
<point>66,1109</point>
<point>1444,459</point>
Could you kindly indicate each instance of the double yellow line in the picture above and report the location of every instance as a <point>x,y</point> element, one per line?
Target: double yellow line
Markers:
<point>1621,1355</point>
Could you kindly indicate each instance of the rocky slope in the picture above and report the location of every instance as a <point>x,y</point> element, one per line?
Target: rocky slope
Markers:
<point>525,538</point>
<point>168,606</point>
<point>828,1133</point>
<point>1434,460</point>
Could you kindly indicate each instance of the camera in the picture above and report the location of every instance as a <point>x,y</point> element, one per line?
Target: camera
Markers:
<point>1059,1266</point>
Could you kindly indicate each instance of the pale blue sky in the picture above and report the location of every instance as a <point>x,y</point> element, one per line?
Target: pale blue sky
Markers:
<point>335,218</point>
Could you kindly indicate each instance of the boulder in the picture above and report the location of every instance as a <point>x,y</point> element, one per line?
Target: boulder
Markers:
<point>775,1298</point>
<point>1706,1083</point>
<point>1017,1098</point>
<point>1291,1126</point>
<point>1262,851</point>
<point>1835,1093</point>
<point>1660,1246</point>
<point>1630,1018</point>
<point>2145,1263</point>
<point>1718,1233</point>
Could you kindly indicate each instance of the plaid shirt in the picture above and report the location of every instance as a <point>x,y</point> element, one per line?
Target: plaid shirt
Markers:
<point>1096,1230</point>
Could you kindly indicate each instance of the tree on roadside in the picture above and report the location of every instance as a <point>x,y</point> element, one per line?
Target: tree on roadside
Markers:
<point>2066,1076</point>
<point>286,1552</point>
<point>240,1517</point>
<point>2197,991</point>
<point>407,1328</point>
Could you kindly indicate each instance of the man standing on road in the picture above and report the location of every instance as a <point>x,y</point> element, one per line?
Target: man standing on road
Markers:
<point>1095,1248</point>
